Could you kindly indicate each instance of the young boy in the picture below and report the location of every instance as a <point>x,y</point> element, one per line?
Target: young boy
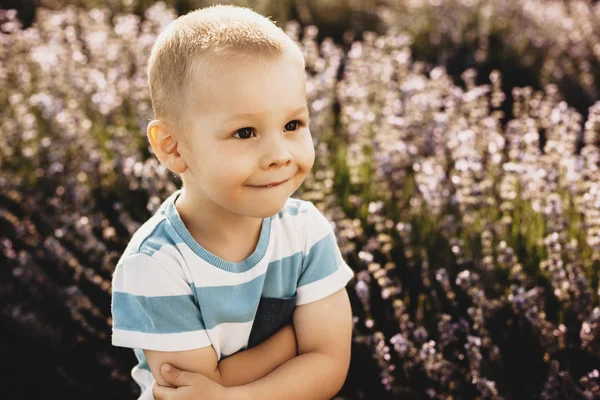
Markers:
<point>233,281</point>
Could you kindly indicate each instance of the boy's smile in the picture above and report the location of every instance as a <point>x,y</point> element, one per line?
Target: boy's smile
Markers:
<point>272,184</point>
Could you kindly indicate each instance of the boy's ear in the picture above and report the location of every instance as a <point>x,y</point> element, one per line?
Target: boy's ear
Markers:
<point>165,146</point>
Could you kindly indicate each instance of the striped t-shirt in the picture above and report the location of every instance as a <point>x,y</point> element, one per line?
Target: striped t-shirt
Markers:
<point>171,294</point>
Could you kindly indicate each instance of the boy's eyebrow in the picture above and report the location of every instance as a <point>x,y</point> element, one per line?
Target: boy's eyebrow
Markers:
<point>247,115</point>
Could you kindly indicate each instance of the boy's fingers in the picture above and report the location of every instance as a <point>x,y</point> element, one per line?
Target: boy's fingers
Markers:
<point>175,376</point>
<point>162,392</point>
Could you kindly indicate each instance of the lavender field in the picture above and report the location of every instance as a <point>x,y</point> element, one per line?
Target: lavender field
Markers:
<point>457,153</point>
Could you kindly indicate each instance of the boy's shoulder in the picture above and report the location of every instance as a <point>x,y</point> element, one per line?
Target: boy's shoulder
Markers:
<point>297,211</point>
<point>293,207</point>
<point>155,237</point>
<point>302,218</point>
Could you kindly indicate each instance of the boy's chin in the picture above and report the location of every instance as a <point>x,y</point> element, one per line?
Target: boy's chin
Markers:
<point>266,210</point>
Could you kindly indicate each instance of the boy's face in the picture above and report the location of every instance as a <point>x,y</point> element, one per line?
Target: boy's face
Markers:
<point>230,156</point>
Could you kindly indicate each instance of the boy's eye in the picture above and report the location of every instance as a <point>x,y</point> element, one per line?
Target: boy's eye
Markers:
<point>246,133</point>
<point>297,124</point>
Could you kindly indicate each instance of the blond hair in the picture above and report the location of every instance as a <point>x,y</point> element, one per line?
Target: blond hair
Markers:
<point>222,32</point>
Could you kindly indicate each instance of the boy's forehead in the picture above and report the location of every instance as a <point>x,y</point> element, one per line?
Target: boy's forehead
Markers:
<point>222,72</point>
<point>215,88</point>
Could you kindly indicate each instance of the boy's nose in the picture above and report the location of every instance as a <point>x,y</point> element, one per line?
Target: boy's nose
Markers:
<point>277,154</point>
<point>279,160</point>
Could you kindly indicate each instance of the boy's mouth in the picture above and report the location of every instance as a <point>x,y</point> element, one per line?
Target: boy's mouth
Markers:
<point>270,185</point>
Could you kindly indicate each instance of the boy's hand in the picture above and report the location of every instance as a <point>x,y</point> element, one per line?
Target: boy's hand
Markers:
<point>188,386</point>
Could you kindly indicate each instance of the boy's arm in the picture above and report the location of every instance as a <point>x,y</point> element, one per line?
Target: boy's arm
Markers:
<point>324,334</point>
<point>238,369</point>
<point>249,365</point>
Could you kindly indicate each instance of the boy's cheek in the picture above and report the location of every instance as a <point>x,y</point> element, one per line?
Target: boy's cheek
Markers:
<point>310,157</point>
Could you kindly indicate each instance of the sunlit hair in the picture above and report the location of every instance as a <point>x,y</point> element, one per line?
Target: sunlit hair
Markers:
<point>221,32</point>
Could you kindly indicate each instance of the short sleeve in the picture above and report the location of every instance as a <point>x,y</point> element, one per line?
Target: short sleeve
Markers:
<point>153,306</point>
<point>323,270</point>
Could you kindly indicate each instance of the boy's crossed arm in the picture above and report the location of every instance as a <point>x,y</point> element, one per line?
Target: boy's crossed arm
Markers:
<point>238,369</point>
<point>323,331</point>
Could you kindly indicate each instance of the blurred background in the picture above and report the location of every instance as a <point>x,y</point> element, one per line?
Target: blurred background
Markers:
<point>457,153</point>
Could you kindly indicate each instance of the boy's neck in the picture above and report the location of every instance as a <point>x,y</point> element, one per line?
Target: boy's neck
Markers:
<point>230,236</point>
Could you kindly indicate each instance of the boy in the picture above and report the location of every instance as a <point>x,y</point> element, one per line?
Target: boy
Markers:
<point>233,281</point>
